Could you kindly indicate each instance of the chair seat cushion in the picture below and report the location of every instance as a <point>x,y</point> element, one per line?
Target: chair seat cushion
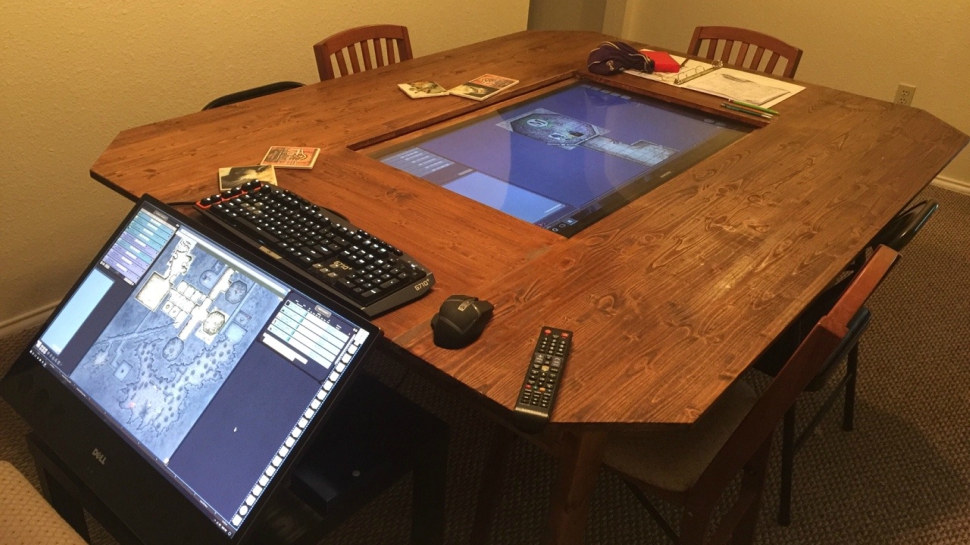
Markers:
<point>674,459</point>
<point>25,516</point>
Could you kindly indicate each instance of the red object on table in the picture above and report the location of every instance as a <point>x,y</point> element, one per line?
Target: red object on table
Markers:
<point>662,61</point>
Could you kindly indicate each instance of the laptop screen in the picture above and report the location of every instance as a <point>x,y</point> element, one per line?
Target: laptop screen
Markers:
<point>209,365</point>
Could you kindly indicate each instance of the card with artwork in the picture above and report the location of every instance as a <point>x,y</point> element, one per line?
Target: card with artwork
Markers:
<point>290,157</point>
<point>483,87</point>
<point>423,89</point>
<point>235,176</point>
<point>491,80</point>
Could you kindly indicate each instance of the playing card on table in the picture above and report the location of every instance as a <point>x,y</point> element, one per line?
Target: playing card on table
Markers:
<point>483,87</point>
<point>423,89</point>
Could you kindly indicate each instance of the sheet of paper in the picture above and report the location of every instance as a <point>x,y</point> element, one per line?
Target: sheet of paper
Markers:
<point>738,85</point>
<point>718,86</point>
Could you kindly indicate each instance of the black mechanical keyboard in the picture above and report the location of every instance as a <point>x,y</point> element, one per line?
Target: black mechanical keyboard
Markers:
<point>320,245</point>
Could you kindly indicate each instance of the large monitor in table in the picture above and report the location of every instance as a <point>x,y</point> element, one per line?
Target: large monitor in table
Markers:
<point>182,376</point>
<point>567,158</point>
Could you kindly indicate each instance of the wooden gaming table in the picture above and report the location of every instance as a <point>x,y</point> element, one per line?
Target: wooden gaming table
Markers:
<point>670,297</point>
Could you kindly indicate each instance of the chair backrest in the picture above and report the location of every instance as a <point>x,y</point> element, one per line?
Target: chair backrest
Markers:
<point>823,342</point>
<point>896,235</point>
<point>735,45</point>
<point>365,47</point>
<point>902,228</point>
<point>252,93</point>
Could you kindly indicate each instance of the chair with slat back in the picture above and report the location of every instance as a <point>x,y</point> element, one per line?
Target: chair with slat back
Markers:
<point>898,232</point>
<point>693,466</point>
<point>365,48</point>
<point>896,235</point>
<point>736,45</point>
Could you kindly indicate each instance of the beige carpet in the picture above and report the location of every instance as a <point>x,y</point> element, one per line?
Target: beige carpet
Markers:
<point>900,478</point>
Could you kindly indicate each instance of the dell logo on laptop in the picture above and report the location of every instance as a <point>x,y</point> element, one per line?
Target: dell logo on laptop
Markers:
<point>101,458</point>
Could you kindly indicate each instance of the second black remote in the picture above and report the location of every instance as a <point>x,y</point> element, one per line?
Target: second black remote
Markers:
<point>541,384</point>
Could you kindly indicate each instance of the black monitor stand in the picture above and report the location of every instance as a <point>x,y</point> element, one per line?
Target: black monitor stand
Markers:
<point>374,437</point>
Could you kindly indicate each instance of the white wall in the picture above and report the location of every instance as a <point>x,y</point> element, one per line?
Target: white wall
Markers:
<point>567,14</point>
<point>75,73</point>
<point>606,16</point>
<point>863,46</point>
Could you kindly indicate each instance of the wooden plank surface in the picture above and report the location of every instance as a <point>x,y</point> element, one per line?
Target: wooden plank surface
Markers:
<point>671,297</point>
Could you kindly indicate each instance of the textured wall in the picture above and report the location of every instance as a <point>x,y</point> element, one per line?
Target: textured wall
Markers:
<point>567,14</point>
<point>863,46</point>
<point>74,74</point>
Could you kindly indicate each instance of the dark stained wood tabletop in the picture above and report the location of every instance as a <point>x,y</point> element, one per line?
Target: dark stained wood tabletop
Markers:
<point>670,297</point>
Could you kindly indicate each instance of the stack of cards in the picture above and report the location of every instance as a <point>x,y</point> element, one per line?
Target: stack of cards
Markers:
<point>423,89</point>
<point>483,87</point>
<point>479,88</point>
<point>291,157</point>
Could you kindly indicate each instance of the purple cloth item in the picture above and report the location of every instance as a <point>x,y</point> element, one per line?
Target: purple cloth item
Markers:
<point>612,57</point>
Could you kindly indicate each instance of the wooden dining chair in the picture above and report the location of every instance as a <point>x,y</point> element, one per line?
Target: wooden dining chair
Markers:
<point>895,235</point>
<point>365,47</point>
<point>904,226</point>
<point>745,49</point>
<point>693,466</point>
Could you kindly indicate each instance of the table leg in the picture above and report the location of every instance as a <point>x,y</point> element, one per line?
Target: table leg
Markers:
<point>579,463</point>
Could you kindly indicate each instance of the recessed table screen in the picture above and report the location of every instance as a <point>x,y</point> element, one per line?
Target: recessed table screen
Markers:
<point>568,158</point>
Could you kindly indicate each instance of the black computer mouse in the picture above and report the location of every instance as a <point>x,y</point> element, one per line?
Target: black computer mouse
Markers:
<point>460,321</point>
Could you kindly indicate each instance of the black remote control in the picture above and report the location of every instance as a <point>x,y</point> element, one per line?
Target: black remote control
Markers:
<point>541,384</point>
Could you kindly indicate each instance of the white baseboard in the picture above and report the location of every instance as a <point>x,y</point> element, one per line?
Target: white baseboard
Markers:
<point>27,320</point>
<point>952,184</point>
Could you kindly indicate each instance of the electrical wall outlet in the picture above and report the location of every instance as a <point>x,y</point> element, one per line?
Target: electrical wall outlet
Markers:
<point>904,94</point>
